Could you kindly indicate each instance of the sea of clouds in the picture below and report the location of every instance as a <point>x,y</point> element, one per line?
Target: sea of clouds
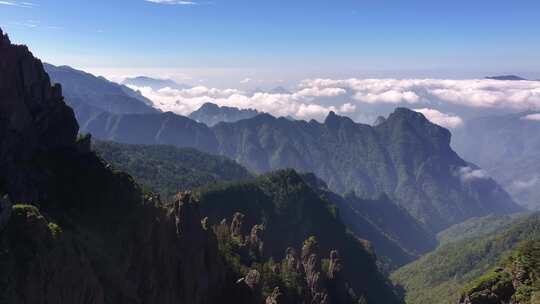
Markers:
<point>442,101</point>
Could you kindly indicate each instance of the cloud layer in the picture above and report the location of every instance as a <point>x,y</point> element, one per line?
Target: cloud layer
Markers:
<point>314,98</point>
<point>442,119</point>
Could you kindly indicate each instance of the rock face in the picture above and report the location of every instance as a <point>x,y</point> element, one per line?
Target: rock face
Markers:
<point>405,156</point>
<point>86,234</point>
<point>212,114</point>
<point>5,211</point>
<point>312,267</point>
<point>33,118</point>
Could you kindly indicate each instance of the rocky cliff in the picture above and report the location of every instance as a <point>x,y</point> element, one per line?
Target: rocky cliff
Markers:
<point>85,234</point>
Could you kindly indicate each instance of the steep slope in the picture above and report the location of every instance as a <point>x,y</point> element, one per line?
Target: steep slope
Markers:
<point>397,237</point>
<point>169,170</point>
<point>153,129</point>
<point>86,234</point>
<point>406,157</point>
<point>516,280</point>
<point>279,211</point>
<point>477,227</point>
<point>440,276</point>
<point>507,148</point>
<point>212,114</point>
<point>83,88</point>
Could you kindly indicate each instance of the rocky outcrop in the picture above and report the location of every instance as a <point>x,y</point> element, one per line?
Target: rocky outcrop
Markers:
<point>276,297</point>
<point>33,118</point>
<point>515,282</point>
<point>86,234</point>
<point>5,211</point>
<point>237,226</point>
<point>313,271</point>
<point>255,240</point>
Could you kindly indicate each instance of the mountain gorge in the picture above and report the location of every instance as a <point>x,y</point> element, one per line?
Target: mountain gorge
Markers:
<point>406,157</point>
<point>75,230</point>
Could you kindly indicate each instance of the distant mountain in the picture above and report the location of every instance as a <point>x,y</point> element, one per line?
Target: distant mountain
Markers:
<point>83,88</point>
<point>506,146</point>
<point>154,83</point>
<point>440,277</point>
<point>506,77</point>
<point>396,236</point>
<point>212,114</point>
<point>476,227</point>
<point>406,157</point>
<point>169,170</point>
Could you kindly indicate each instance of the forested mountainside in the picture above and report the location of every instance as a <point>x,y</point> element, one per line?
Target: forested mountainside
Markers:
<point>212,114</point>
<point>441,276</point>
<point>169,170</point>
<point>406,157</point>
<point>266,222</point>
<point>396,237</point>
<point>84,89</point>
<point>507,148</point>
<point>73,230</point>
<point>515,280</point>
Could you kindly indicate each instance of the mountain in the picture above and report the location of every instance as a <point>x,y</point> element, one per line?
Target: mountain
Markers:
<point>397,238</point>
<point>440,276</point>
<point>507,148</point>
<point>515,280</point>
<point>169,170</point>
<point>154,83</point>
<point>89,90</point>
<point>74,231</point>
<point>212,114</point>
<point>506,77</point>
<point>406,157</point>
<point>278,219</point>
<point>476,227</point>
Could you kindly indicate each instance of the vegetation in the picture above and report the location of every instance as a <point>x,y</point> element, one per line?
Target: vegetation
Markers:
<point>476,227</point>
<point>516,279</point>
<point>440,276</point>
<point>168,170</point>
<point>290,212</point>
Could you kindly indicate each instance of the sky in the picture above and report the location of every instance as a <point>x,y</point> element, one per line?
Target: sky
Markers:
<point>226,42</point>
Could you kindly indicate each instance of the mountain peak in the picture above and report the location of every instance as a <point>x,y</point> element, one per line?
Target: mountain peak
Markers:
<point>334,120</point>
<point>4,39</point>
<point>506,77</point>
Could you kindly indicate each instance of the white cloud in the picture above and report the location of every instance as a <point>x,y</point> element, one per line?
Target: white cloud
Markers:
<point>468,174</point>
<point>442,119</point>
<point>172,2</point>
<point>246,80</point>
<point>347,108</point>
<point>534,117</point>
<point>521,185</point>
<point>322,92</point>
<point>18,4</point>
<point>314,98</point>
<point>478,93</point>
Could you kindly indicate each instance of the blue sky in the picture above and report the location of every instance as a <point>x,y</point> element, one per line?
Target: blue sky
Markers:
<point>283,39</point>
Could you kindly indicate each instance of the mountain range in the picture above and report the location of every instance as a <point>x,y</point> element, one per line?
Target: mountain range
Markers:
<point>406,157</point>
<point>154,83</point>
<point>73,229</point>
